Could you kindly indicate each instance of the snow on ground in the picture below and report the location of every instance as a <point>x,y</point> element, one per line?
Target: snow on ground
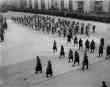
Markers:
<point>22,46</point>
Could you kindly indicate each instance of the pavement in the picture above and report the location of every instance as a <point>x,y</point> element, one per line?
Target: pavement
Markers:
<point>19,58</point>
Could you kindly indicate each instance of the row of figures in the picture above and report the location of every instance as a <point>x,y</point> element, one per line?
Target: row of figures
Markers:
<point>55,25</point>
<point>38,68</point>
<point>89,46</point>
<point>75,57</point>
<point>49,70</point>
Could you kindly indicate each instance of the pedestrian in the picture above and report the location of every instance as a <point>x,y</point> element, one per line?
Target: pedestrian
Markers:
<point>68,38</point>
<point>102,42</point>
<point>76,56</point>
<point>55,46</point>
<point>70,56</point>
<point>107,52</point>
<point>104,84</point>
<point>62,52</point>
<point>85,62</point>
<point>80,43</point>
<point>100,50</point>
<point>92,46</point>
<point>94,27</point>
<point>82,28</point>
<point>87,45</point>
<point>64,32</point>
<point>38,67</point>
<point>75,40</point>
<point>49,71</point>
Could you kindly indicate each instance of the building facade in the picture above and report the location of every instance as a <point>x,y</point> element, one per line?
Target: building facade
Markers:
<point>80,5</point>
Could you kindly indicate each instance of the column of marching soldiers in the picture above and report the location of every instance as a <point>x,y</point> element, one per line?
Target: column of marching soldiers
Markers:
<point>65,28</point>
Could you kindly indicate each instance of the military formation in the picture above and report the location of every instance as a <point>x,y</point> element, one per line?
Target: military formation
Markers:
<point>69,29</point>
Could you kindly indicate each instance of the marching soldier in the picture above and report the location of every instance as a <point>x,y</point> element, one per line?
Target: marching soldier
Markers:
<point>70,56</point>
<point>80,43</point>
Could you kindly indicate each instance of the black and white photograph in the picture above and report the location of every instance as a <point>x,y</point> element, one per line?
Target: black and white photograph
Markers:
<point>54,43</point>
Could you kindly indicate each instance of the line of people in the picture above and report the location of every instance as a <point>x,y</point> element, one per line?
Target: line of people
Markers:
<point>51,24</point>
<point>87,46</point>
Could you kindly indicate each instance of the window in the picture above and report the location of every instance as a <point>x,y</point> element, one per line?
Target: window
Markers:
<point>54,4</point>
<point>80,5</point>
<point>42,4</point>
<point>23,4</point>
<point>98,6</point>
<point>62,4</point>
<point>70,4</point>
<point>36,3</point>
<point>30,4</point>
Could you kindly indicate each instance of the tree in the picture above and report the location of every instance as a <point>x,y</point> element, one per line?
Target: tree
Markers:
<point>49,70</point>
<point>38,65</point>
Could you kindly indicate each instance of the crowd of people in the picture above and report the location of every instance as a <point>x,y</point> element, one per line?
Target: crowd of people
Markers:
<point>66,28</point>
<point>69,29</point>
<point>50,24</point>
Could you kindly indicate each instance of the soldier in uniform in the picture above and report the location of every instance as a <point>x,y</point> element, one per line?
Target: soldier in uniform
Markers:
<point>85,61</point>
<point>87,44</point>
<point>70,56</point>
<point>80,43</point>
<point>100,50</point>
<point>75,40</point>
<point>92,46</point>
<point>76,60</point>
<point>55,46</point>
<point>62,52</point>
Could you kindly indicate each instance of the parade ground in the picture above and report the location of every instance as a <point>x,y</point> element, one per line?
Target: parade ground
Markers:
<point>22,45</point>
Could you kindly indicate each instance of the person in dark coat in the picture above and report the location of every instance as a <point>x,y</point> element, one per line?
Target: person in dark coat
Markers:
<point>94,27</point>
<point>100,50</point>
<point>62,52</point>
<point>68,38</point>
<point>64,32</point>
<point>76,55</point>
<point>87,30</point>
<point>107,52</point>
<point>38,65</point>
<point>104,84</point>
<point>80,43</point>
<point>102,42</point>
<point>85,61</point>
<point>75,40</point>
<point>1,36</point>
<point>59,33</point>
<point>5,26</point>
<point>92,46</point>
<point>82,28</point>
<point>70,56</point>
<point>49,71</point>
<point>87,45</point>
<point>55,46</point>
